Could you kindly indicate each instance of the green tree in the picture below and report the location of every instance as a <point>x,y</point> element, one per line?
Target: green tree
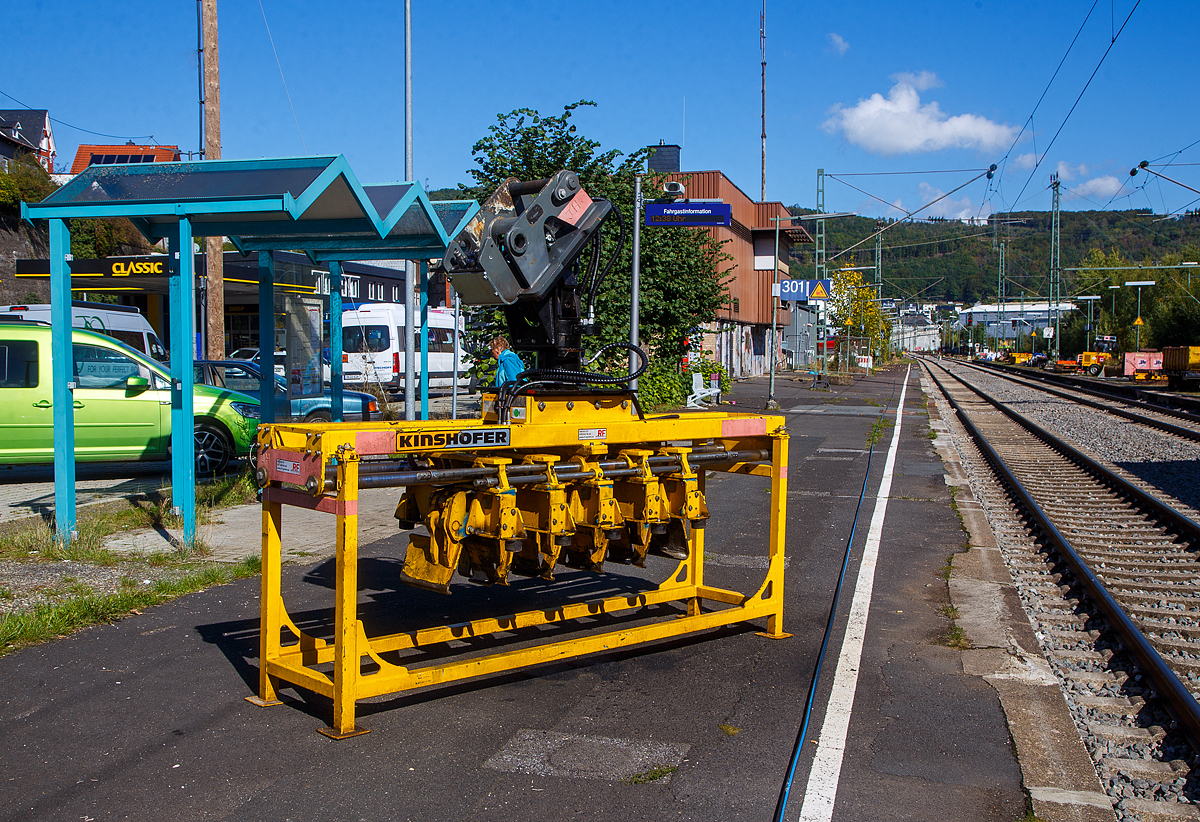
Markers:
<point>681,269</point>
<point>855,313</point>
<point>24,180</point>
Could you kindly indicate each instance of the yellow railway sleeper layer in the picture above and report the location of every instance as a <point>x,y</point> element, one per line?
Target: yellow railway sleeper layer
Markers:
<point>569,479</point>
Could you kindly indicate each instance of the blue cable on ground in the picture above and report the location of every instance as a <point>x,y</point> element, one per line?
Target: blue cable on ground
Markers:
<point>786,789</point>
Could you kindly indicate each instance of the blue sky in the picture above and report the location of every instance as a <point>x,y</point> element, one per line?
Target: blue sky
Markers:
<point>941,86</point>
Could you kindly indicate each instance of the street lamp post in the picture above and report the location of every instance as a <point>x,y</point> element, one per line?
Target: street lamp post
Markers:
<point>1138,323</point>
<point>1089,333</point>
<point>772,404</point>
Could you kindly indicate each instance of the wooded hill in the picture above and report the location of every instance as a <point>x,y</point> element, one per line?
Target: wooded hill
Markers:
<point>965,258</point>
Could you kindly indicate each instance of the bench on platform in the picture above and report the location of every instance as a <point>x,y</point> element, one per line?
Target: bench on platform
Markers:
<point>701,392</point>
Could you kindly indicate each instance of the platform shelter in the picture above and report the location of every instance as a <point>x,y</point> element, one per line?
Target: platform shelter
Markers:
<point>311,204</point>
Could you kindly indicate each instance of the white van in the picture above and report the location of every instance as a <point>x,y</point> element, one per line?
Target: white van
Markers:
<point>121,322</point>
<point>373,347</point>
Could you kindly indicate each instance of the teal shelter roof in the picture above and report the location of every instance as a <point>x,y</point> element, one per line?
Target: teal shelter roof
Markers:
<point>311,204</point>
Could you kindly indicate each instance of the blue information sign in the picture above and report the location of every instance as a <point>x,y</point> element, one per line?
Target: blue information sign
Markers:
<point>805,289</point>
<point>684,214</point>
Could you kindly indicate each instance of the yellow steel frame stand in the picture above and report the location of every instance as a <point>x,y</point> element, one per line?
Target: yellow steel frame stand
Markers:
<point>293,466</point>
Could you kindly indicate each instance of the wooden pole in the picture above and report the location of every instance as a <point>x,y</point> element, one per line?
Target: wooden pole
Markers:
<point>215,270</point>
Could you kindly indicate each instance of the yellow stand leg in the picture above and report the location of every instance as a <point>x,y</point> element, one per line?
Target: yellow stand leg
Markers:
<point>272,603</point>
<point>347,661</point>
<point>779,472</point>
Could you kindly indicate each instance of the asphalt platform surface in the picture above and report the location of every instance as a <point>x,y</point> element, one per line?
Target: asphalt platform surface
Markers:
<point>146,719</point>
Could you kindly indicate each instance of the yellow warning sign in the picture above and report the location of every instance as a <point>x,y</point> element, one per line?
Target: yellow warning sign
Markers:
<point>1138,321</point>
<point>818,292</point>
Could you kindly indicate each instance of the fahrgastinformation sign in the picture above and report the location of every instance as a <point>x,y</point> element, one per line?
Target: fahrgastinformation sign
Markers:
<point>685,214</point>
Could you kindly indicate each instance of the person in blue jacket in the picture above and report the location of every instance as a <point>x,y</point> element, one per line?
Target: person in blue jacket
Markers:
<point>508,364</point>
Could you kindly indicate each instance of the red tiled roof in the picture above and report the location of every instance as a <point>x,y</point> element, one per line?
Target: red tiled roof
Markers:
<point>161,154</point>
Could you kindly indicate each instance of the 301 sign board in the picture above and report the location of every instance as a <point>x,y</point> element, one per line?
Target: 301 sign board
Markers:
<point>683,215</point>
<point>805,289</point>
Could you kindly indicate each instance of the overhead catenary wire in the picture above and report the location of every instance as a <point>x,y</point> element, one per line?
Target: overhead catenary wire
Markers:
<point>281,77</point>
<point>908,214</point>
<point>80,128</point>
<point>1062,125</point>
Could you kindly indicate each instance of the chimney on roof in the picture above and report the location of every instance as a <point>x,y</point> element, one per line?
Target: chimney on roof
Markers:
<point>665,158</point>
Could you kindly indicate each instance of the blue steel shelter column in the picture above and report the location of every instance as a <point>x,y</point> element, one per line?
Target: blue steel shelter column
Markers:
<point>335,340</point>
<point>183,359</point>
<point>62,381</point>
<point>424,281</point>
<point>266,336</point>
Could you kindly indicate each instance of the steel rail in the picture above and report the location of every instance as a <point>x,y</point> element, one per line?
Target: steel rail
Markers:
<point>1130,394</point>
<point>1177,699</point>
<point>1186,433</point>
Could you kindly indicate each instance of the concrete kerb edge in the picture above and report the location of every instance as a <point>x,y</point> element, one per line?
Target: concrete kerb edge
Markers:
<point>1057,772</point>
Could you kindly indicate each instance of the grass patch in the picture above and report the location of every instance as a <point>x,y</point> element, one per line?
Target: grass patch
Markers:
<point>81,608</point>
<point>956,638</point>
<point>948,568</point>
<point>651,776</point>
<point>877,431</point>
<point>37,540</point>
<point>227,492</point>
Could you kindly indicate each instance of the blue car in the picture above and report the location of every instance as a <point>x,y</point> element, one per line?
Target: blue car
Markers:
<point>243,376</point>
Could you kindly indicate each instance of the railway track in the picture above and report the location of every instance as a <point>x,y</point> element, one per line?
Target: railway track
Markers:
<point>1108,573</point>
<point>1180,422</point>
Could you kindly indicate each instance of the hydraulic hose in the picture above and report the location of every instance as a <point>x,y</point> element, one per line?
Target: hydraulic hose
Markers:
<point>595,287</point>
<point>543,376</point>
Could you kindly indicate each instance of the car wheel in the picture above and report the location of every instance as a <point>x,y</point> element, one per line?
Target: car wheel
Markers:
<point>319,416</point>
<point>1095,369</point>
<point>212,449</point>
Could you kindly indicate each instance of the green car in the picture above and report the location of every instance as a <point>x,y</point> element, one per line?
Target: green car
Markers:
<point>122,404</point>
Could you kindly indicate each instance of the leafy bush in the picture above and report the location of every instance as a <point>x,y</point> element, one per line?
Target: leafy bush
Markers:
<point>26,180</point>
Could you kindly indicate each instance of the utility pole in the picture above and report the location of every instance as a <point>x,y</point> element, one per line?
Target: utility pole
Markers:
<point>1000,284</point>
<point>819,257</point>
<point>1055,270</point>
<point>762,42</point>
<point>210,103</point>
<point>879,226</point>
<point>635,281</point>
<point>410,268</point>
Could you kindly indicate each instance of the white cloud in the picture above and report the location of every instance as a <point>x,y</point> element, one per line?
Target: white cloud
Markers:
<point>837,43</point>
<point>1097,187</point>
<point>1066,171</point>
<point>1024,162</point>
<point>900,124</point>
<point>951,209</point>
<point>921,82</point>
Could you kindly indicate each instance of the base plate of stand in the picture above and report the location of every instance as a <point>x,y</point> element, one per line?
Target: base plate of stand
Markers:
<point>783,635</point>
<point>332,734</point>
<point>263,703</point>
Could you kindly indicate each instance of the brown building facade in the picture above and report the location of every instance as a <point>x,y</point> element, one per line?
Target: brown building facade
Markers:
<point>739,338</point>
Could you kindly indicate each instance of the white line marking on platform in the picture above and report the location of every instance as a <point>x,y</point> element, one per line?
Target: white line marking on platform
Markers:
<point>821,791</point>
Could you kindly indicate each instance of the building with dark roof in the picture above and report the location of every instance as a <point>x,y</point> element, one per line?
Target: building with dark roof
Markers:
<point>27,131</point>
